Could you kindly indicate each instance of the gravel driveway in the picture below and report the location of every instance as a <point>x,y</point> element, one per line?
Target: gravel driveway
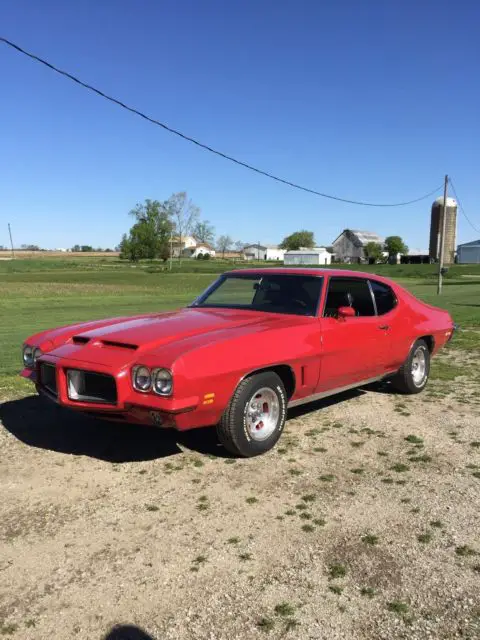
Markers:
<point>362,524</point>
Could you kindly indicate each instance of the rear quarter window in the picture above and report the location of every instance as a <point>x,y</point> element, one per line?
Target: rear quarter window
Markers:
<point>385,297</point>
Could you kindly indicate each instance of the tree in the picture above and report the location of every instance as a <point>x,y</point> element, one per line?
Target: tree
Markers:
<point>373,251</point>
<point>223,244</point>
<point>395,245</point>
<point>203,231</point>
<point>297,240</point>
<point>239,246</point>
<point>183,214</point>
<point>150,235</point>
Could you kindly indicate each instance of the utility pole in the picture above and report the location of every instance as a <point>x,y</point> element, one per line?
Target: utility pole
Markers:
<point>11,241</point>
<point>442,238</point>
<point>171,248</point>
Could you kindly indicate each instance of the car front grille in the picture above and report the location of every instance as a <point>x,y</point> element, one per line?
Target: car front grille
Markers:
<point>88,386</point>
<point>48,378</point>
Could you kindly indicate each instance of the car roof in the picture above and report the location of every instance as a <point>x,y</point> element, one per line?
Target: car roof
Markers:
<point>345,273</point>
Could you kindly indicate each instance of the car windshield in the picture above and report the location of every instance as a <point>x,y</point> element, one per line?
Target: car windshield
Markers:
<point>275,293</point>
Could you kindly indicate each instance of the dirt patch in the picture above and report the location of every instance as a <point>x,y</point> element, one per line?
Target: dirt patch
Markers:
<point>363,523</point>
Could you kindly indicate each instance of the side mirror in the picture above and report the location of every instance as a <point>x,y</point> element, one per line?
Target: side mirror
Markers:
<point>346,312</point>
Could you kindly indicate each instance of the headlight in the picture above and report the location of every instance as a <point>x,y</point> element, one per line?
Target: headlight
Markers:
<point>36,354</point>
<point>28,359</point>
<point>142,379</point>
<point>162,382</point>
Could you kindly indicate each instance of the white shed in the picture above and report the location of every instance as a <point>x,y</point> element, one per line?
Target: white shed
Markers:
<point>318,256</point>
<point>469,253</point>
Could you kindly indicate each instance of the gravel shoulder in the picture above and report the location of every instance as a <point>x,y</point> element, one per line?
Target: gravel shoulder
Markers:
<point>362,524</point>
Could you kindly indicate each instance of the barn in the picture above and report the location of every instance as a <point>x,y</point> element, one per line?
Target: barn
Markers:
<point>469,253</point>
<point>349,246</point>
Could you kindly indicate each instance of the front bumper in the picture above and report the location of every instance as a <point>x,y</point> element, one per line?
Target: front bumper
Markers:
<point>129,405</point>
<point>455,328</point>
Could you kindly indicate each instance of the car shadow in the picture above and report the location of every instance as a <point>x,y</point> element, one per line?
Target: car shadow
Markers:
<point>127,632</point>
<point>40,423</point>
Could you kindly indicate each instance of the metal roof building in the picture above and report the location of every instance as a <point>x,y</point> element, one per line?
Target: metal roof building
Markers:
<point>349,245</point>
<point>469,252</point>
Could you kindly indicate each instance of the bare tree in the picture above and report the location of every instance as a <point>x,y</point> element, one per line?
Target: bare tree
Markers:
<point>184,215</point>
<point>239,245</point>
<point>223,244</point>
<point>204,231</point>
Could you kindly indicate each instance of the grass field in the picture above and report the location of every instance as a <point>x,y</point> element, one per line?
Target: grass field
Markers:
<point>43,293</point>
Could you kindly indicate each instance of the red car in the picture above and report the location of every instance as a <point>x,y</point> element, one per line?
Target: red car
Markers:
<point>255,343</point>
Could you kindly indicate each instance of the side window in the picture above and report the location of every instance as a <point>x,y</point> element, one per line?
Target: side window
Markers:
<point>349,292</point>
<point>385,298</point>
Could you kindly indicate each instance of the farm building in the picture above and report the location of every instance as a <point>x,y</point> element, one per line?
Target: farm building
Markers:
<point>317,256</point>
<point>416,256</point>
<point>349,246</point>
<point>263,252</point>
<point>469,252</point>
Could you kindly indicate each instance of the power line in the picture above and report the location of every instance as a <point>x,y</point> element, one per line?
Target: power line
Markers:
<point>201,144</point>
<point>462,209</point>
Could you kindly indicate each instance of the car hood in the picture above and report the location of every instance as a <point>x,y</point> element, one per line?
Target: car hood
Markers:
<point>126,339</point>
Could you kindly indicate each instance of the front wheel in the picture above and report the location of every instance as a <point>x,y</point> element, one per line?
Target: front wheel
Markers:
<point>413,375</point>
<point>255,416</point>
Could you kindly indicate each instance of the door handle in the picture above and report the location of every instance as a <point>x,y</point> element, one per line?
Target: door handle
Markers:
<point>384,327</point>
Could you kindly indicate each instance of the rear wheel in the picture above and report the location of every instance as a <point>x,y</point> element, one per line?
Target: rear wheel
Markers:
<point>255,417</point>
<point>413,375</point>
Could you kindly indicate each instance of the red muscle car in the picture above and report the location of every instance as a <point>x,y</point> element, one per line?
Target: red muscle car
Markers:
<point>255,343</point>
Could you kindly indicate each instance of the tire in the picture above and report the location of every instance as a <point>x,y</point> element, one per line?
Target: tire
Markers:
<point>247,430</point>
<point>408,379</point>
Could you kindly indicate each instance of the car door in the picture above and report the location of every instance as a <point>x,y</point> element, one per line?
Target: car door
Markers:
<point>353,348</point>
<point>393,322</point>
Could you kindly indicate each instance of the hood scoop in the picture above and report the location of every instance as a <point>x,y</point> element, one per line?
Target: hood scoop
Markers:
<point>118,345</point>
<point>81,340</point>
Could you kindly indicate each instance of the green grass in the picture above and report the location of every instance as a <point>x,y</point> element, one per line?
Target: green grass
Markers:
<point>46,292</point>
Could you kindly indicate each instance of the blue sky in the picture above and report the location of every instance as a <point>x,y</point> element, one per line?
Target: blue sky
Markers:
<point>372,100</point>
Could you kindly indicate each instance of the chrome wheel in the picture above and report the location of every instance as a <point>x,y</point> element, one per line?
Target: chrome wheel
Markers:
<point>262,414</point>
<point>419,367</point>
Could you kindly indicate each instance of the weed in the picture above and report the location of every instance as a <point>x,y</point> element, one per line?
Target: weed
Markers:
<point>414,439</point>
<point>284,609</point>
<point>476,474</point>
<point>301,506</point>
<point>251,500</point>
<point>424,538</point>
<point>397,607</point>
<point>203,498</point>
<point>335,588</point>
<point>305,515</point>
<point>200,559</point>
<point>198,463</point>
<point>415,510</point>
<point>152,507</point>
<point>472,466</point>
<point>245,556</point>
<point>476,568</point>
<point>406,500</point>
<point>401,482</point>
<point>282,450</point>
<point>230,460</point>
<point>357,444</point>
<point>290,512</point>
<point>30,623</point>
<point>308,528</point>
<point>368,591</point>
<point>320,449</point>
<point>475,444</point>
<point>424,458</point>
<point>234,540</point>
<point>399,467</point>
<point>337,425</point>
<point>320,522</point>
<point>8,629</point>
<point>357,471</point>
<point>202,506</point>
<point>309,497</point>
<point>295,472</point>
<point>465,550</point>
<point>266,624</point>
<point>436,524</point>
<point>387,480</point>
<point>328,477</point>
<point>312,432</point>
<point>142,472</point>
<point>337,571</point>
<point>384,454</point>
<point>196,480</point>
<point>370,539</point>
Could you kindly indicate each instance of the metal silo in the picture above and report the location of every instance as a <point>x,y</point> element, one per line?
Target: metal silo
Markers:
<point>450,241</point>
